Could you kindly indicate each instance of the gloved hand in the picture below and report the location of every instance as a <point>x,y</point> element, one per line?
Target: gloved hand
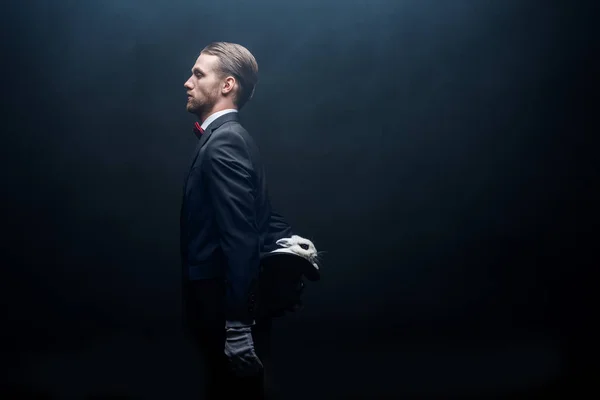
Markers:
<point>239,349</point>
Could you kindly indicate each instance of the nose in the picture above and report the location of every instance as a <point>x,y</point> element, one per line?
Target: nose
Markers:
<point>187,85</point>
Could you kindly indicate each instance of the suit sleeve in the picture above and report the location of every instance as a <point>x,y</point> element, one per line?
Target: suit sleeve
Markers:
<point>278,228</point>
<point>232,192</point>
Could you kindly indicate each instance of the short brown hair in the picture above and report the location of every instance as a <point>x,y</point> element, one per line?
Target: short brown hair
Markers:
<point>236,60</point>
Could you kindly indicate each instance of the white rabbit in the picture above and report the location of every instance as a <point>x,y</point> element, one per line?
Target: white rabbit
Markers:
<point>300,246</point>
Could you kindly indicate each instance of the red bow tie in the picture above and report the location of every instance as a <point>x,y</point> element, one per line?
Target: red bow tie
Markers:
<point>198,129</point>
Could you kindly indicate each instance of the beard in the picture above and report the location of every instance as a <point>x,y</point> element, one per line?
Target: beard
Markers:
<point>194,106</point>
<point>201,107</point>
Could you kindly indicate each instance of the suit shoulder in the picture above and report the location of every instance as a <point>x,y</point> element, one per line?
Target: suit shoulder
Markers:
<point>232,132</point>
<point>228,137</point>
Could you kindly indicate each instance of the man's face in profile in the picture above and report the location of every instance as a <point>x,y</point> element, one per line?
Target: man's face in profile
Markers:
<point>203,87</point>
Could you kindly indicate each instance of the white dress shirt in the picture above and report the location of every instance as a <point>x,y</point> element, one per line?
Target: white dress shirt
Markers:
<point>216,115</point>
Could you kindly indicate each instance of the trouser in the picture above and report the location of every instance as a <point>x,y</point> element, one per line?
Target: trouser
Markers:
<point>204,313</point>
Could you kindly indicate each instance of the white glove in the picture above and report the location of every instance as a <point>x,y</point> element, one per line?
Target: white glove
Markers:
<point>239,349</point>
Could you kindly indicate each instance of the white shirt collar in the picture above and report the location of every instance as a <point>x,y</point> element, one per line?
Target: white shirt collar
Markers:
<point>216,115</point>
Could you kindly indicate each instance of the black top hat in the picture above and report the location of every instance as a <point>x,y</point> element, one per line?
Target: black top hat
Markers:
<point>284,261</point>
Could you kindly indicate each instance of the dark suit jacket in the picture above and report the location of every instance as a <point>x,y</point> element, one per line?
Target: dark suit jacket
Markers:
<point>226,217</point>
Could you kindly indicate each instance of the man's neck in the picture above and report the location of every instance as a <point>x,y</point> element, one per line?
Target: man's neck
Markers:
<point>215,115</point>
<point>216,109</point>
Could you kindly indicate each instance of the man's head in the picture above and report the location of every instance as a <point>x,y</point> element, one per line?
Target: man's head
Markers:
<point>224,76</point>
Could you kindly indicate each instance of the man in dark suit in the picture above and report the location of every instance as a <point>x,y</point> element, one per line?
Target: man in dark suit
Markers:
<point>226,224</point>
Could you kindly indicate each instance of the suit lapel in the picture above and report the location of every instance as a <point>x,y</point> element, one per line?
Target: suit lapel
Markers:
<point>201,142</point>
<point>232,116</point>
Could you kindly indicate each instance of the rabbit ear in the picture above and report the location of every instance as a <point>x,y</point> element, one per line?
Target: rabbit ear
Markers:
<point>285,242</point>
<point>300,239</point>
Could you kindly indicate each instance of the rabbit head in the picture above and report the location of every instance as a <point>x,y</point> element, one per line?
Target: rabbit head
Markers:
<point>302,247</point>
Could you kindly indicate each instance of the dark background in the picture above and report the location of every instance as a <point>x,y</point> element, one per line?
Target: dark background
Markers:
<point>435,149</point>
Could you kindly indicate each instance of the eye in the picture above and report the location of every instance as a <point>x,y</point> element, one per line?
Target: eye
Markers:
<point>304,246</point>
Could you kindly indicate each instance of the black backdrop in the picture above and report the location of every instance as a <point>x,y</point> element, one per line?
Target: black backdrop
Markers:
<point>420,143</point>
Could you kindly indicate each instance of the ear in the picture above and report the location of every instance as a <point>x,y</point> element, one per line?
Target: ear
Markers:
<point>229,85</point>
<point>300,239</point>
<point>285,242</point>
